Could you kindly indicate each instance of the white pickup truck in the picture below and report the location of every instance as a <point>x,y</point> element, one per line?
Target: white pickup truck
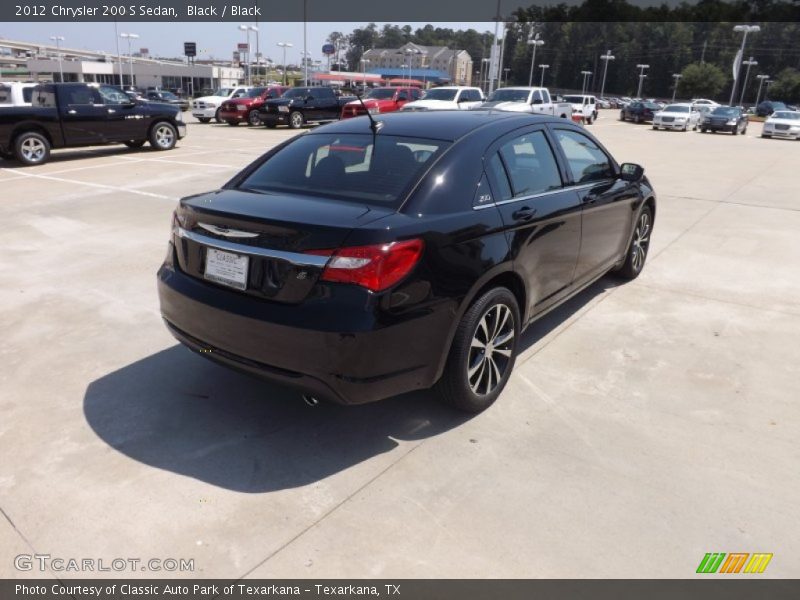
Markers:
<point>534,100</point>
<point>13,93</point>
<point>208,107</point>
<point>585,106</point>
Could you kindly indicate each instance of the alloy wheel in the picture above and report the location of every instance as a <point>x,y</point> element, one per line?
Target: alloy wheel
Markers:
<point>165,137</point>
<point>33,150</point>
<point>491,350</point>
<point>641,242</point>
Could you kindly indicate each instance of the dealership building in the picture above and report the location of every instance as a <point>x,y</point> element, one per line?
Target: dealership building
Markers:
<point>23,61</point>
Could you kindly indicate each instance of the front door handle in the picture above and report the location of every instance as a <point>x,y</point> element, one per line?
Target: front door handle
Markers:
<point>111,111</point>
<point>590,198</point>
<point>526,213</point>
<point>72,112</point>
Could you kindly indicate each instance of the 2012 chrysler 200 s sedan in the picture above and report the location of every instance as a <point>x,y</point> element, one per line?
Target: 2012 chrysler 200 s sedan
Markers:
<point>356,261</point>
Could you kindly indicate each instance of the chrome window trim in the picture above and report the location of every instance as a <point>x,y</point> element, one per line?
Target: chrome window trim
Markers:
<point>573,188</point>
<point>296,258</point>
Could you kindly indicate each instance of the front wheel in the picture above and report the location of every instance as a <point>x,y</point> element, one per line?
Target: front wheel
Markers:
<point>204,119</point>
<point>32,149</point>
<point>163,136</point>
<point>296,120</point>
<point>483,352</point>
<point>217,118</point>
<point>640,244</point>
<point>254,119</point>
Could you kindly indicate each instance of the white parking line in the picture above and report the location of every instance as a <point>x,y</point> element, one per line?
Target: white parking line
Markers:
<point>177,162</point>
<point>112,188</point>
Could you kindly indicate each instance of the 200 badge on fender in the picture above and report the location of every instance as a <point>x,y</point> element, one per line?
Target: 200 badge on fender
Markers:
<point>388,257</point>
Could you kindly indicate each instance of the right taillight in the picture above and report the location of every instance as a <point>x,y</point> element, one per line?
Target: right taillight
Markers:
<point>375,267</point>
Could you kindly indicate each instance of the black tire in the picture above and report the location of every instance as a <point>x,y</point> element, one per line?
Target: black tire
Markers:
<point>462,389</point>
<point>622,116</point>
<point>233,123</point>
<point>32,148</point>
<point>636,254</point>
<point>163,136</point>
<point>744,130</point>
<point>702,130</point>
<point>735,130</point>
<point>216,115</point>
<point>253,119</point>
<point>135,144</point>
<point>655,127</point>
<point>204,119</point>
<point>764,135</point>
<point>296,119</point>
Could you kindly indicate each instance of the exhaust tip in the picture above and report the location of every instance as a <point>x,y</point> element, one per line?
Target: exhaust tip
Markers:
<point>310,400</point>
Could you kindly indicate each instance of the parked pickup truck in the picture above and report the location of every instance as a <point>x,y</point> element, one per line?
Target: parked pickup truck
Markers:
<point>245,109</point>
<point>13,93</point>
<point>66,115</point>
<point>303,105</point>
<point>381,100</point>
<point>534,100</point>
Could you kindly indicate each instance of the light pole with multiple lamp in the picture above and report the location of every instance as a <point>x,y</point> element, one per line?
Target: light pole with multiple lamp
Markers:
<point>130,37</point>
<point>284,45</point>
<point>605,58</point>
<point>586,75</point>
<point>641,79</point>
<point>749,63</point>
<point>247,29</point>
<point>761,79</point>
<point>745,29</point>
<point>677,78</point>
<point>535,42</point>
<point>58,39</point>
<point>543,68</point>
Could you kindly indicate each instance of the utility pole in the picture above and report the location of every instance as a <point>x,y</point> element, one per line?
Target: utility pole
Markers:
<point>119,56</point>
<point>534,42</point>
<point>585,78</point>
<point>129,37</point>
<point>543,67</point>
<point>749,63</point>
<point>641,78</point>
<point>738,67</point>
<point>761,79</point>
<point>703,54</point>
<point>677,78</point>
<point>58,39</point>
<point>494,48</point>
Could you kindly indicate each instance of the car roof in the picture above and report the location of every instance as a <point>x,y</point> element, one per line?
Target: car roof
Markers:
<point>449,125</point>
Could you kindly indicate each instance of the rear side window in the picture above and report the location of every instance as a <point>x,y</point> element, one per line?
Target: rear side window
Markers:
<point>586,160</point>
<point>498,172</point>
<point>27,94</point>
<point>531,166</point>
<point>352,167</point>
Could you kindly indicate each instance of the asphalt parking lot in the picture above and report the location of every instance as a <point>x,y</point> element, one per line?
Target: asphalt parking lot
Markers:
<point>646,423</point>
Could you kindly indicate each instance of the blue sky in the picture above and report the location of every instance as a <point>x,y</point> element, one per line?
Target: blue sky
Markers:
<point>213,39</point>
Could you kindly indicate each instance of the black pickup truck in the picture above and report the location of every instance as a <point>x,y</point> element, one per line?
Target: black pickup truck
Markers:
<point>303,105</point>
<point>65,115</point>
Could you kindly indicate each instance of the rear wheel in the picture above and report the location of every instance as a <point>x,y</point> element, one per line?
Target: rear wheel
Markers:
<point>163,136</point>
<point>254,119</point>
<point>640,244</point>
<point>32,148</point>
<point>296,120</point>
<point>204,119</point>
<point>702,130</point>
<point>217,117</point>
<point>483,352</point>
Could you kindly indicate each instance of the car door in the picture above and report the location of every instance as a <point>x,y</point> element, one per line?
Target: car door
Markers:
<point>83,115</point>
<point>608,202</point>
<point>538,105</point>
<point>123,121</point>
<point>542,217</point>
<point>402,98</point>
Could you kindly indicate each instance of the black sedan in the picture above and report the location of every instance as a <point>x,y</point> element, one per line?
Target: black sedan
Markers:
<point>639,112</point>
<point>167,98</point>
<point>356,263</point>
<point>731,119</point>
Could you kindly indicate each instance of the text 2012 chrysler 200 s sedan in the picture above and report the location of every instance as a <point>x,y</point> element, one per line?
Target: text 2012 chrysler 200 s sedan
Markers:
<point>356,262</point>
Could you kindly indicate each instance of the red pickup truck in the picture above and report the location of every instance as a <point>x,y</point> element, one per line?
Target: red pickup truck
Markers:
<point>382,100</point>
<point>245,109</point>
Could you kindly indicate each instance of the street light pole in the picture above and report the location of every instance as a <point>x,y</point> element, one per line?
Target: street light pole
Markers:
<point>677,78</point>
<point>605,58</point>
<point>585,77</point>
<point>761,79</point>
<point>749,63</point>
<point>506,71</point>
<point>543,67</point>
<point>741,29</point>
<point>285,45</point>
<point>534,42</point>
<point>129,37</point>
<point>247,29</point>
<point>58,39</point>
<point>364,62</point>
<point>641,78</point>
<point>119,55</point>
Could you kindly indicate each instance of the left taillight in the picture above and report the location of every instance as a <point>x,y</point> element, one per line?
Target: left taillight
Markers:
<point>375,267</point>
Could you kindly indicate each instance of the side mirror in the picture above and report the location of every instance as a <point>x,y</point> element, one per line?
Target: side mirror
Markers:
<point>537,101</point>
<point>631,172</point>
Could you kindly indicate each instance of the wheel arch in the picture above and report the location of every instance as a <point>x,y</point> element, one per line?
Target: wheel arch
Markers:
<point>30,128</point>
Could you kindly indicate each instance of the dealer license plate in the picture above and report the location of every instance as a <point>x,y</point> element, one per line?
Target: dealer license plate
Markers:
<point>226,268</point>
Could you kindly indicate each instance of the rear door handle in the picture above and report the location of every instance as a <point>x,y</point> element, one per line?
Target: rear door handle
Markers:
<point>111,111</point>
<point>526,213</point>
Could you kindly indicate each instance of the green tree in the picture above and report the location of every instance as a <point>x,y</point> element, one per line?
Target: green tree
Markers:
<point>701,79</point>
<point>787,86</point>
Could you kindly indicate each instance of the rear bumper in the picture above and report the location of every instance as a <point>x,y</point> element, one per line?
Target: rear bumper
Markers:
<point>362,361</point>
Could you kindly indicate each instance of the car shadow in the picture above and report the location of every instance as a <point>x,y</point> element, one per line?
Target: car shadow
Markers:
<point>67,156</point>
<point>179,412</point>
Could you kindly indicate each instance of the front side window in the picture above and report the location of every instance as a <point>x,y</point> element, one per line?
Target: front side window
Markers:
<point>356,167</point>
<point>113,95</point>
<point>531,166</point>
<point>586,160</point>
<point>83,96</point>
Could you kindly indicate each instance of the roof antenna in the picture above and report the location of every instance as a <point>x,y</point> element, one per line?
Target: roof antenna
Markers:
<point>374,125</point>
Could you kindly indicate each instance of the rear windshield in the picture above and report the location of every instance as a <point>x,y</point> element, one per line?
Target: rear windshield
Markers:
<point>347,167</point>
<point>440,94</point>
<point>574,99</point>
<point>505,95</point>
